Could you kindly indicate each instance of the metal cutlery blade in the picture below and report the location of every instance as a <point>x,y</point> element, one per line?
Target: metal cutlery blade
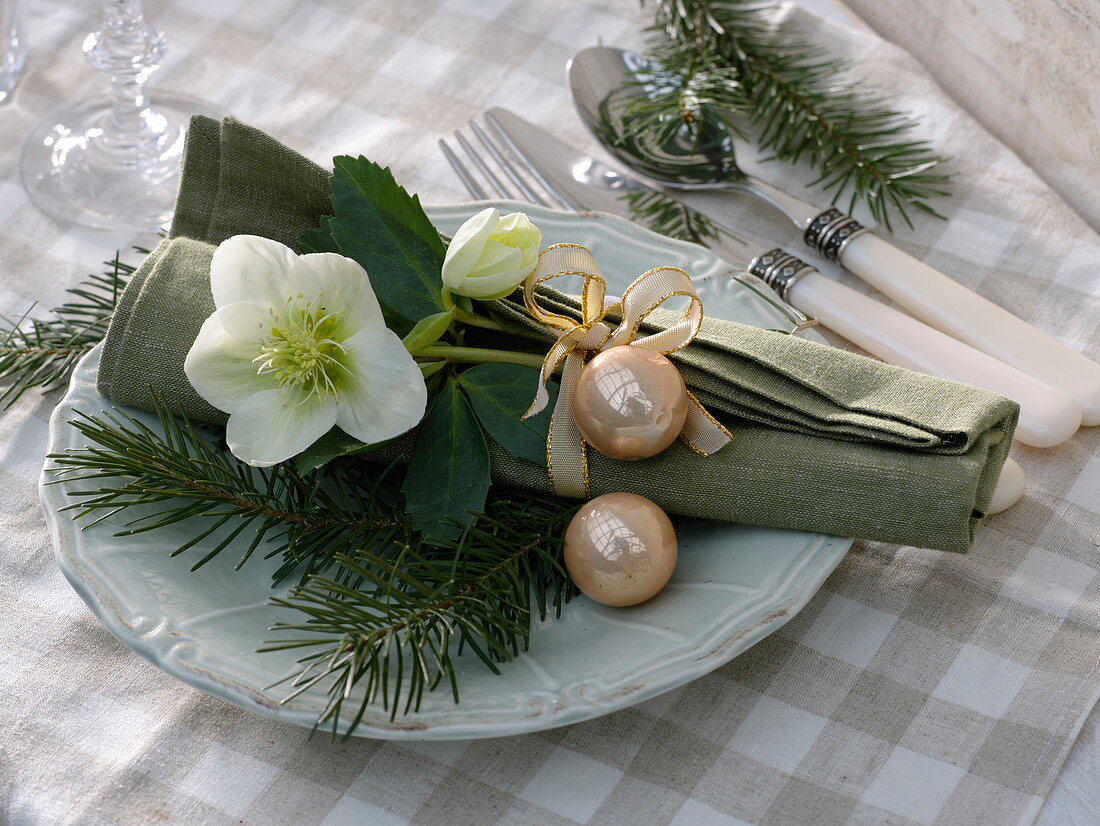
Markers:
<point>586,183</point>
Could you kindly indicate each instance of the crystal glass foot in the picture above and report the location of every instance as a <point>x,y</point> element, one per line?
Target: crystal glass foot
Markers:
<point>75,172</point>
<point>114,163</point>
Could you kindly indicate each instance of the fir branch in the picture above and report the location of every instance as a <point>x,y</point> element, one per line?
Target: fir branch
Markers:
<point>700,92</point>
<point>43,352</point>
<point>801,103</point>
<point>396,639</point>
<point>383,610</point>
<point>186,473</point>
<point>667,216</point>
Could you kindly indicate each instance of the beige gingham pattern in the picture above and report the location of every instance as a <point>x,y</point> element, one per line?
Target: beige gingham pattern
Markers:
<point>916,687</point>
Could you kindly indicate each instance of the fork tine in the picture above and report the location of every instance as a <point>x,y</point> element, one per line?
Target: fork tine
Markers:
<point>506,141</point>
<point>506,165</point>
<point>494,181</point>
<point>472,186</point>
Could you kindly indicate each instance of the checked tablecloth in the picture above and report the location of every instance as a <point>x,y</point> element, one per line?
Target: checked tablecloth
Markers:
<point>916,688</point>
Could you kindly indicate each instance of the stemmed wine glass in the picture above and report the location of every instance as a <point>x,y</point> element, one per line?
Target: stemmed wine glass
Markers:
<point>113,163</point>
<point>13,47</point>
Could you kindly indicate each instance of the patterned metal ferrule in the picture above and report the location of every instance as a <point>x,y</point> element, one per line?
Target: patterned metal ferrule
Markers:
<point>830,231</point>
<point>779,270</point>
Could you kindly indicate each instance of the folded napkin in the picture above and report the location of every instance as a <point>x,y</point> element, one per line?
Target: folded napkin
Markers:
<point>825,440</point>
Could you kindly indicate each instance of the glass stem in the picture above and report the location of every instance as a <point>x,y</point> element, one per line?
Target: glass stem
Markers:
<point>127,50</point>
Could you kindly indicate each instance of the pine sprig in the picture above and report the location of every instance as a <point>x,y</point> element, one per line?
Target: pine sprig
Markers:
<point>702,94</point>
<point>396,639</point>
<point>667,216</point>
<point>43,352</point>
<point>383,611</point>
<point>186,473</point>
<point>801,104</point>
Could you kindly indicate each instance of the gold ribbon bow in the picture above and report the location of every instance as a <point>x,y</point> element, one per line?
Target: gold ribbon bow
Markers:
<point>566,455</point>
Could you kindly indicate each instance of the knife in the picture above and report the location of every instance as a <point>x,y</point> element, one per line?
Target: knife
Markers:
<point>578,182</point>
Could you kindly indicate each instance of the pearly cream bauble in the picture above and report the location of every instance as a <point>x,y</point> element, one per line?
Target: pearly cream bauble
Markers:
<point>630,402</point>
<point>620,549</point>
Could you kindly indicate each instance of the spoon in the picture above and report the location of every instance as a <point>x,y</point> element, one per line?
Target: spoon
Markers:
<point>604,83</point>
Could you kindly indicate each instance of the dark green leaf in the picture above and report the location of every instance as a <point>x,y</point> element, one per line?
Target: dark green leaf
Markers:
<point>448,474</point>
<point>386,230</point>
<point>319,239</point>
<point>500,394</point>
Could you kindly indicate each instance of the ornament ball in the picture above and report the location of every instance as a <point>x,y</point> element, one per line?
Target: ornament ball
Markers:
<point>620,549</point>
<point>630,402</point>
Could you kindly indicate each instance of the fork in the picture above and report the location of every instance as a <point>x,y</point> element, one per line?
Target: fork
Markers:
<point>1047,417</point>
<point>527,180</point>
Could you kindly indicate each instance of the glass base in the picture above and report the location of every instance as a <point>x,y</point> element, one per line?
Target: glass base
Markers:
<point>76,173</point>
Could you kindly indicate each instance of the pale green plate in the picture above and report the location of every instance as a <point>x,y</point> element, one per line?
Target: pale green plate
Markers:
<point>734,584</point>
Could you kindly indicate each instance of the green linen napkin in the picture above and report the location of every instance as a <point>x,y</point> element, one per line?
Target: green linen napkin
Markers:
<point>825,440</point>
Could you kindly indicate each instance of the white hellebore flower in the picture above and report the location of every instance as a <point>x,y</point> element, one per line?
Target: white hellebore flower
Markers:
<point>489,256</point>
<point>297,344</point>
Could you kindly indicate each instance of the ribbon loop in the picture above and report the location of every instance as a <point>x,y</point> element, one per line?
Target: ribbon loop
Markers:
<point>561,260</point>
<point>647,293</point>
<point>566,456</point>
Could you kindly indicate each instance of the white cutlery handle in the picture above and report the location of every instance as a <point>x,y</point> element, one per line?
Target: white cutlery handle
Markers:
<point>1047,416</point>
<point>948,306</point>
<point>1009,489</point>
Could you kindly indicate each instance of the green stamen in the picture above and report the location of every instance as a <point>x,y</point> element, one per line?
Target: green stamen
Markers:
<point>300,351</point>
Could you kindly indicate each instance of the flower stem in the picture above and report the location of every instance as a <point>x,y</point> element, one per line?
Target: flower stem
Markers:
<point>479,355</point>
<point>475,320</point>
<point>446,300</point>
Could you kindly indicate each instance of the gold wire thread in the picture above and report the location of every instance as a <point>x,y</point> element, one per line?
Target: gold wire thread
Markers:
<point>584,468</point>
<point>702,408</point>
<point>694,448</point>
<point>687,311</point>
